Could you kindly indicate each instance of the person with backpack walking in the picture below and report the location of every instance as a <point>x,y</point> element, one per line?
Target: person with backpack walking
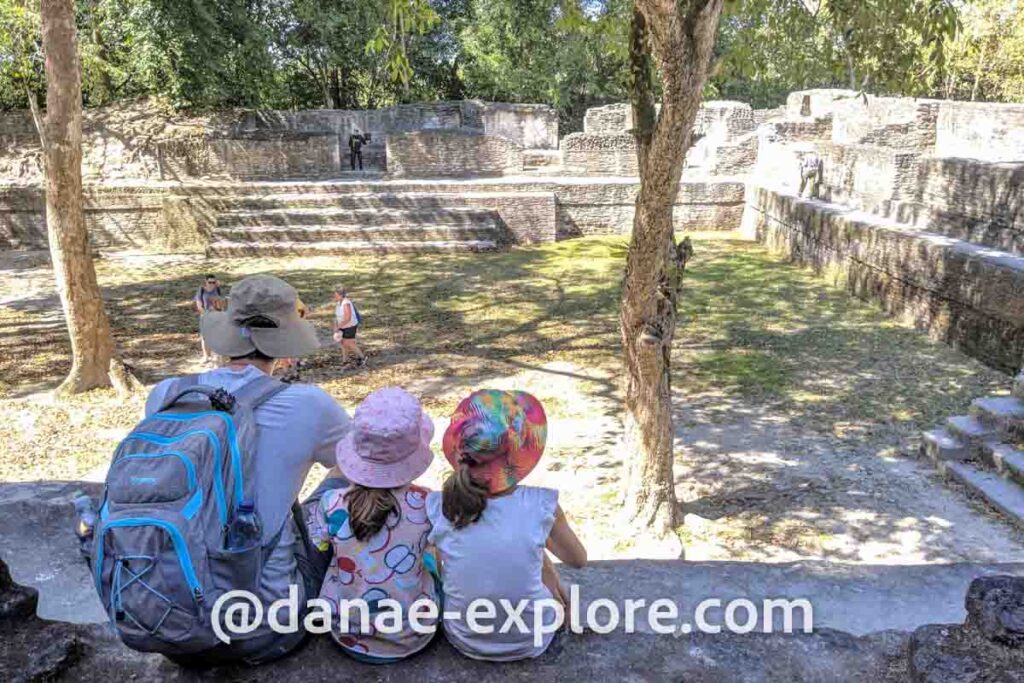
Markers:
<point>200,496</point>
<point>346,323</point>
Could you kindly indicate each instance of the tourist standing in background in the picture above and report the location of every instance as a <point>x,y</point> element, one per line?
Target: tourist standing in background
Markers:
<point>346,324</point>
<point>206,300</point>
<point>355,145</point>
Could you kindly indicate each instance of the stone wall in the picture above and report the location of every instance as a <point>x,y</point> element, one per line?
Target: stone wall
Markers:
<point>815,102</point>
<point>612,119</point>
<point>157,221</point>
<point>180,218</point>
<point>532,126</point>
<point>607,208</point>
<point>865,175</point>
<point>431,154</point>
<point>899,122</point>
<point>980,130</point>
<point>958,292</point>
<point>260,156</point>
<point>599,154</point>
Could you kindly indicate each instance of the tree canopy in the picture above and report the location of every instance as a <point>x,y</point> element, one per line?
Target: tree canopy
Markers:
<point>572,54</point>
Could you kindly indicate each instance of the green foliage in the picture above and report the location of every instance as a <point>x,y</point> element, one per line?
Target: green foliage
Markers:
<point>770,47</point>
<point>572,54</point>
<point>20,60</point>
<point>569,53</point>
<point>986,58</point>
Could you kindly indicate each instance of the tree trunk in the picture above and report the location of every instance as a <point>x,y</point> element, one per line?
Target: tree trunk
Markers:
<point>94,363</point>
<point>334,88</point>
<point>980,68</point>
<point>681,39</point>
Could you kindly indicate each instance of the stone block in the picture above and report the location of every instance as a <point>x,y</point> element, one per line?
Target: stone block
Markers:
<point>815,102</point>
<point>995,607</point>
<point>263,156</point>
<point>898,122</point>
<point>441,153</point>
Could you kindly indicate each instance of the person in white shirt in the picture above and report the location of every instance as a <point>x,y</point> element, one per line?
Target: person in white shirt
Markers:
<point>491,532</point>
<point>346,324</point>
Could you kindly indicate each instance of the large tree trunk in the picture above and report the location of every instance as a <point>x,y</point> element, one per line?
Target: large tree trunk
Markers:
<point>681,39</point>
<point>94,362</point>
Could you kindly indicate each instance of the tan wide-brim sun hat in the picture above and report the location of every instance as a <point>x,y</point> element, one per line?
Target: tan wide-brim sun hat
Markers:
<point>261,316</point>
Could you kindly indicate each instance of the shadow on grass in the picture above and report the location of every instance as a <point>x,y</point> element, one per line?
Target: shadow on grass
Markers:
<point>522,307</point>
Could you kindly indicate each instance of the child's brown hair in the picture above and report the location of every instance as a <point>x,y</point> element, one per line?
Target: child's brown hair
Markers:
<point>369,509</point>
<point>463,499</point>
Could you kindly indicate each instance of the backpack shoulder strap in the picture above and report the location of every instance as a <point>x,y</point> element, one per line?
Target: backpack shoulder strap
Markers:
<point>259,391</point>
<point>177,389</point>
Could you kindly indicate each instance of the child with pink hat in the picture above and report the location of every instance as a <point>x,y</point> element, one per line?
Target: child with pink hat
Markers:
<point>377,525</point>
<point>491,532</point>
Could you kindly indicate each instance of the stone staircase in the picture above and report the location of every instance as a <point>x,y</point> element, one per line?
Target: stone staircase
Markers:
<point>984,450</point>
<point>307,224</point>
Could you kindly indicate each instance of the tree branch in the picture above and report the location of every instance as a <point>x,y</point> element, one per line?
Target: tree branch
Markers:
<point>37,118</point>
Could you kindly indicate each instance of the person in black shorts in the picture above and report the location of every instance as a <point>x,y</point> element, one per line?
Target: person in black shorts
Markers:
<point>346,324</point>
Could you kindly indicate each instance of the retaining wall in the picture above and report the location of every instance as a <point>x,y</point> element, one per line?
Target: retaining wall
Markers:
<point>266,156</point>
<point>179,217</point>
<point>440,153</point>
<point>960,293</point>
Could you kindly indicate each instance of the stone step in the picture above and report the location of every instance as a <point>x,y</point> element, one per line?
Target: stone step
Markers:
<point>337,215</point>
<point>970,431</point>
<point>939,445</point>
<point>225,248</point>
<point>1006,460</point>
<point>349,200</point>
<point>1001,413</point>
<point>1003,494</point>
<point>343,233</point>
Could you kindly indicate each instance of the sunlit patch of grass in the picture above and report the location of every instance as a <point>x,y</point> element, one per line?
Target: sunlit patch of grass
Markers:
<point>751,371</point>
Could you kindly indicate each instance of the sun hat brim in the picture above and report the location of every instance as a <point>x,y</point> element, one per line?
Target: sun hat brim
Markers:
<point>379,475</point>
<point>293,338</point>
<point>502,473</point>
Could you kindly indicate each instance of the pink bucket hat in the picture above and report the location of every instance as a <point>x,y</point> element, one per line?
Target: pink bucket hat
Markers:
<point>500,435</point>
<point>389,442</point>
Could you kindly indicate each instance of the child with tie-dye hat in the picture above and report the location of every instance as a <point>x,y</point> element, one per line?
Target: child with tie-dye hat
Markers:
<point>491,533</point>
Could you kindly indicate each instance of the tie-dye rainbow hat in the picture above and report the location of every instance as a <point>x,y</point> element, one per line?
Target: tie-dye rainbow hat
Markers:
<point>500,435</point>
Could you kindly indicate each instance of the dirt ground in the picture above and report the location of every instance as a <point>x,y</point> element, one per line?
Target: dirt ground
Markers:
<point>794,402</point>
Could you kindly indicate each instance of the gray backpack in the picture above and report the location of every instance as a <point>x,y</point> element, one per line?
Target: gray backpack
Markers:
<point>175,484</point>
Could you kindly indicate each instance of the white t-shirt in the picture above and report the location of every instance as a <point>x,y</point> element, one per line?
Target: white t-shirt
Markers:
<point>501,555</point>
<point>339,314</point>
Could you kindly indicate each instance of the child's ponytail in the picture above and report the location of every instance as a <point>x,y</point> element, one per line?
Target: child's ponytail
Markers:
<point>463,499</point>
<point>369,510</point>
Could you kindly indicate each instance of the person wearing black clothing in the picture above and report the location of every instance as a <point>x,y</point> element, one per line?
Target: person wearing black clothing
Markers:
<point>355,145</point>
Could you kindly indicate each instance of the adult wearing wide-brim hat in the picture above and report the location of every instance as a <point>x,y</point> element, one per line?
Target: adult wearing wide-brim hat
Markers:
<point>262,315</point>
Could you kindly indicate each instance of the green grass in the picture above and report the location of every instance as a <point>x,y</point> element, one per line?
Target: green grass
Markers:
<point>750,327</point>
